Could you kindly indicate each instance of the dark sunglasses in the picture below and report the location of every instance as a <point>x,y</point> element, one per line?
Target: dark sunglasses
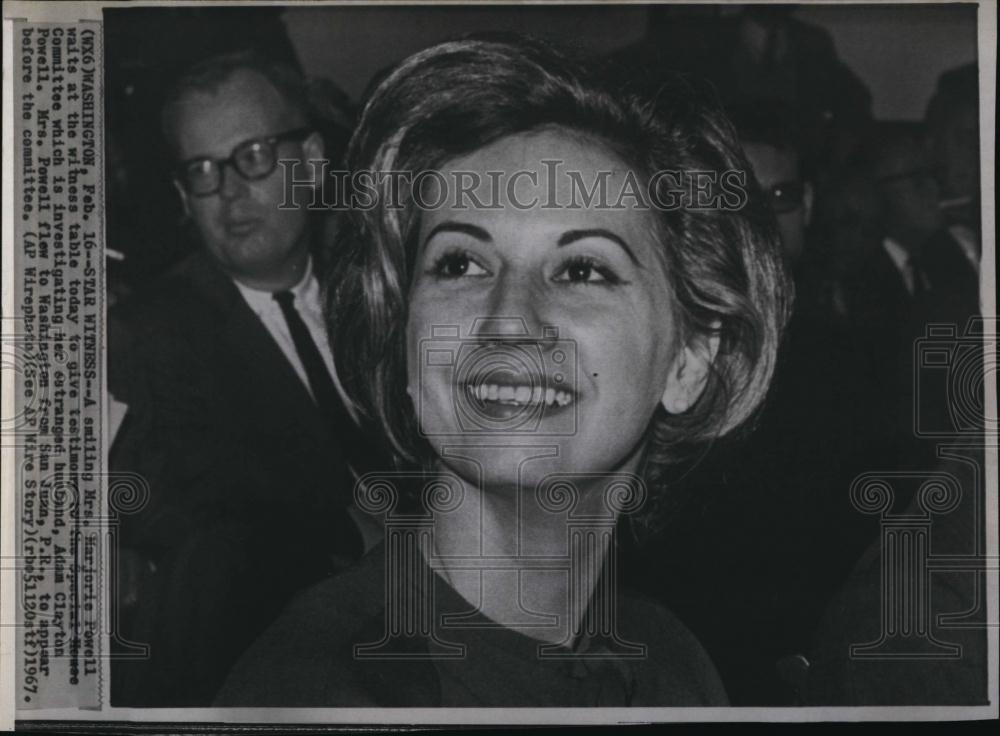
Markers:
<point>253,159</point>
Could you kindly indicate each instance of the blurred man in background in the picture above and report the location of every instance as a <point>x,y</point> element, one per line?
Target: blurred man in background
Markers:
<point>768,135</point>
<point>766,535</point>
<point>917,275</point>
<point>239,423</point>
<point>952,135</point>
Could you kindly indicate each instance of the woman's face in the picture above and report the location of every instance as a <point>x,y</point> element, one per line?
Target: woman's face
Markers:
<point>537,332</point>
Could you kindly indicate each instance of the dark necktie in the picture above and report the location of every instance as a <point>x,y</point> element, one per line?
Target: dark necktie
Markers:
<point>320,383</point>
<point>357,446</point>
<point>330,406</point>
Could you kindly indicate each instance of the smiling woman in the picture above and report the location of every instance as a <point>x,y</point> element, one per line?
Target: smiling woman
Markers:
<point>507,350</point>
<point>597,276</point>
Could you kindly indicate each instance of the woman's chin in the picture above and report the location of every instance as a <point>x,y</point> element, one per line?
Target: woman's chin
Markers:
<point>525,466</point>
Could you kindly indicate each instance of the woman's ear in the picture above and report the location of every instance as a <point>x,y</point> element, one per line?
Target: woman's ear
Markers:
<point>688,373</point>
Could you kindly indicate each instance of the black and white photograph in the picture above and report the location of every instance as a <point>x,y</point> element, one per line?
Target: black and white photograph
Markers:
<point>576,361</point>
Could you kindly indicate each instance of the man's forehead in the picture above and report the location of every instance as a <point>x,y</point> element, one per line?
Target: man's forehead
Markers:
<point>211,121</point>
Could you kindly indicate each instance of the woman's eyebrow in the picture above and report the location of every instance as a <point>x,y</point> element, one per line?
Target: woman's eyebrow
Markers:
<point>571,236</point>
<point>449,226</point>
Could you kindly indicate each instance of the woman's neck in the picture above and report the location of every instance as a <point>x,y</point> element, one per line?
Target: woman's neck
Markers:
<point>522,533</point>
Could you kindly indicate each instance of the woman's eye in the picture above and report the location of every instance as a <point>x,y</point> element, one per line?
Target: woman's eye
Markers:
<point>454,265</point>
<point>586,271</point>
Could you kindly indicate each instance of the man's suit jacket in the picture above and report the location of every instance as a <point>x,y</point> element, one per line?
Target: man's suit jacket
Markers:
<point>248,484</point>
<point>887,322</point>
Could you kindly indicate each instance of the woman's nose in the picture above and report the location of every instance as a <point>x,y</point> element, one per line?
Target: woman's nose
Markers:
<point>514,309</point>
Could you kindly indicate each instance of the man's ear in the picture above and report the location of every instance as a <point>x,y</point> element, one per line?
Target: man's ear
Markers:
<point>808,197</point>
<point>313,149</point>
<point>184,199</point>
<point>688,374</point>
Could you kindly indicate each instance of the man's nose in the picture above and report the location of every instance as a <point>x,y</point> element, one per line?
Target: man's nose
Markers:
<point>232,185</point>
<point>513,309</point>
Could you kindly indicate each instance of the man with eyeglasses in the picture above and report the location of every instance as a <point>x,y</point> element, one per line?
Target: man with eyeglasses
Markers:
<point>917,275</point>
<point>249,439</point>
<point>770,143</point>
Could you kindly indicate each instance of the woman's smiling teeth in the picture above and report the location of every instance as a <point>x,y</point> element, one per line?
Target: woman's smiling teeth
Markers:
<point>519,395</point>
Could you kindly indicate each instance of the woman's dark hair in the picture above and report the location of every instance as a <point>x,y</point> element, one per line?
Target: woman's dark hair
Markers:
<point>724,265</point>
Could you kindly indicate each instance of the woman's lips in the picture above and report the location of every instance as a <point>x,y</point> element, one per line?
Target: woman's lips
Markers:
<point>505,401</point>
<point>519,395</point>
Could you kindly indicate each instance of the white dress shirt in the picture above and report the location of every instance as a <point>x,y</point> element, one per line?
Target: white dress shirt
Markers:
<point>900,258</point>
<point>307,303</point>
<point>968,241</point>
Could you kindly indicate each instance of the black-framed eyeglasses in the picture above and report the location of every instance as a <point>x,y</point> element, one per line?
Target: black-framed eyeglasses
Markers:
<point>785,196</point>
<point>253,159</point>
